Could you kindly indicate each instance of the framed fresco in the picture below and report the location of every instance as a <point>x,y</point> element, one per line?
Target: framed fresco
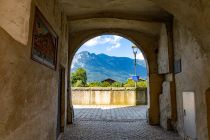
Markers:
<point>44,42</point>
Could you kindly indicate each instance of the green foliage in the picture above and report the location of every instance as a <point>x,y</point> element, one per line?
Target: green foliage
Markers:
<point>79,83</point>
<point>99,84</point>
<point>131,83</point>
<point>79,78</point>
<point>105,84</point>
<point>117,84</point>
<point>94,84</point>
<point>142,84</point>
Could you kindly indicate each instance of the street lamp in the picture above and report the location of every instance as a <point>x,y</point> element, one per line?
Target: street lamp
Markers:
<point>135,78</point>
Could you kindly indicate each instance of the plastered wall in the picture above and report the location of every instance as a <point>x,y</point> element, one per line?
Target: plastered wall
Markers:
<point>28,90</point>
<point>195,76</point>
<point>15,17</point>
<point>163,55</point>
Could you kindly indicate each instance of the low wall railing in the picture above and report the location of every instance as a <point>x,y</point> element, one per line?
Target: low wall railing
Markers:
<point>109,96</point>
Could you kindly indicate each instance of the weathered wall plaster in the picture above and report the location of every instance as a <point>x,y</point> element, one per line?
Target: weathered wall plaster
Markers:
<point>28,90</point>
<point>195,76</point>
<point>194,14</point>
<point>165,67</point>
<point>165,105</point>
<point>15,17</point>
<point>163,56</point>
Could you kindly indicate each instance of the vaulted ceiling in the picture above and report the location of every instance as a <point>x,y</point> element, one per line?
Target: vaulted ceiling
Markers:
<point>138,15</point>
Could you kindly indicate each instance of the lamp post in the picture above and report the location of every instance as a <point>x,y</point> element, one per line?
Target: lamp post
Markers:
<point>135,50</point>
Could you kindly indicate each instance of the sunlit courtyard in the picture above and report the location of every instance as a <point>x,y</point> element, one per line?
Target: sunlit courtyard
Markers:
<point>109,113</point>
<point>100,122</point>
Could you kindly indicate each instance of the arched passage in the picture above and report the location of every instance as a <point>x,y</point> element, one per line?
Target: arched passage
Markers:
<point>149,46</point>
<point>108,57</point>
<point>192,14</point>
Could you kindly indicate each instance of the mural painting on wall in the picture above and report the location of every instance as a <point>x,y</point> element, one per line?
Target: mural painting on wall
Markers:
<point>44,42</point>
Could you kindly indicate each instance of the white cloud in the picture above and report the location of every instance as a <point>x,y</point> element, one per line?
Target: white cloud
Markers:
<point>112,42</point>
<point>93,42</point>
<point>117,45</point>
<point>140,56</point>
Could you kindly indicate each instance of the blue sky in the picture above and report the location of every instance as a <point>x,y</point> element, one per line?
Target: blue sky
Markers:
<point>111,45</point>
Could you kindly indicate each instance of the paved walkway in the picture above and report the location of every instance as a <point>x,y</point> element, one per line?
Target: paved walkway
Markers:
<point>114,123</point>
<point>109,113</point>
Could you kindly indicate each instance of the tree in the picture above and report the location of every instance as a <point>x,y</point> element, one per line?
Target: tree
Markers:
<point>142,84</point>
<point>105,84</point>
<point>79,83</point>
<point>79,77</point>
<point>95,84</point>
<point>117,84</point>
<point>131,83</point>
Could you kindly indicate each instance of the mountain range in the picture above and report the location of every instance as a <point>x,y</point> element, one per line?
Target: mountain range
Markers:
<point>101,66</point>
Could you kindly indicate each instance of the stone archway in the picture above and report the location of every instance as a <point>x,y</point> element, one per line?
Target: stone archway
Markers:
<point>149,46</point>
<point>17,22</point>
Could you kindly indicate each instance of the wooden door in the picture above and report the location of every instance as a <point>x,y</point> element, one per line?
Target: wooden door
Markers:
<point>208,110</point>
<point>61,101</point>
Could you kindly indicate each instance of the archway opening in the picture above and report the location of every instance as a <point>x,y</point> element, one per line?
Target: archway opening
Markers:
<point>125,121</point>
<point>109,74</point>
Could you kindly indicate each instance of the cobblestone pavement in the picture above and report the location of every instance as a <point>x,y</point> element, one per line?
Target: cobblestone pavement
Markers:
<point>114,123</point>
<point>109,112</point>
